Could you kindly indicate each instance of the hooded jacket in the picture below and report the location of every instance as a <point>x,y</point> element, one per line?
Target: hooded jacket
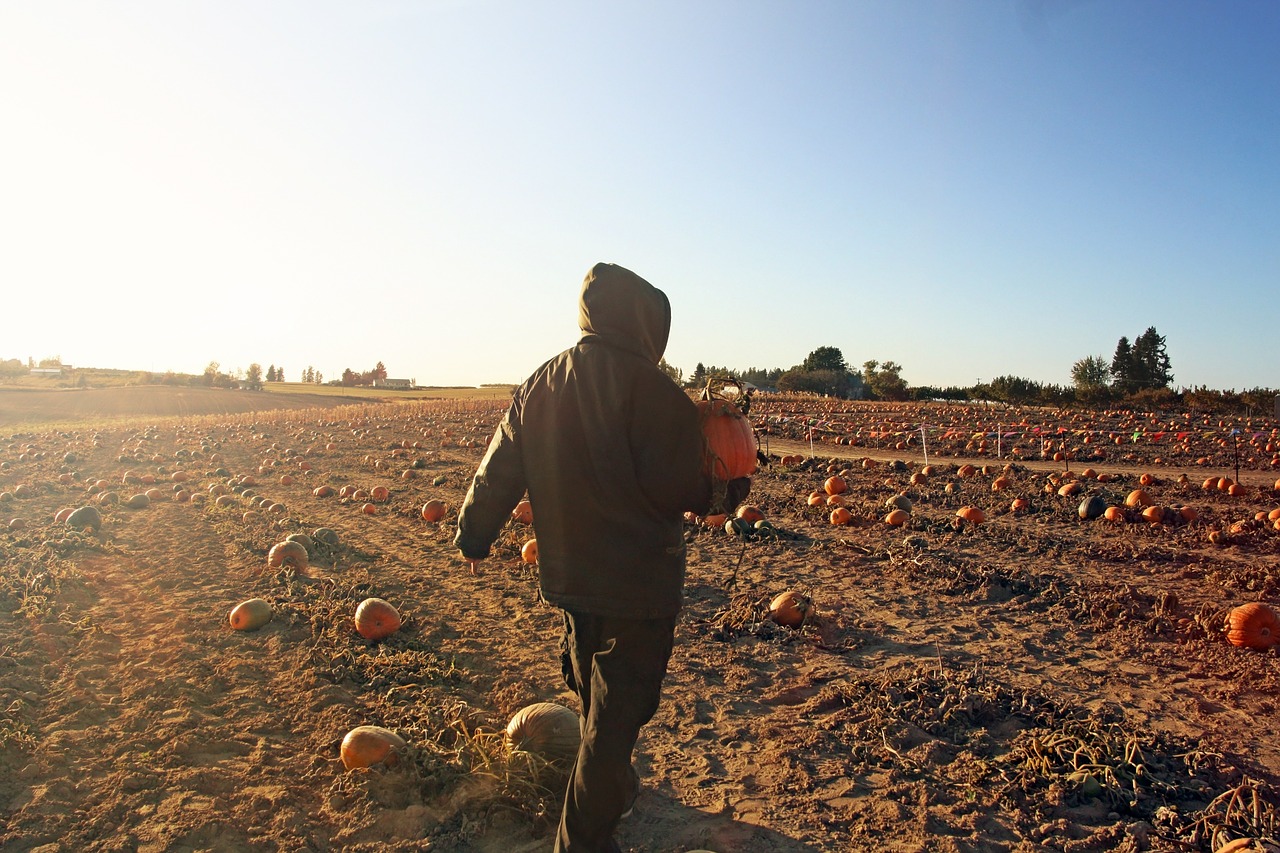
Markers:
<point>610,452</point>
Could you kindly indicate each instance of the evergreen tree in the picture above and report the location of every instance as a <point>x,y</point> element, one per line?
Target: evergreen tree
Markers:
<point>1152,360</point>
<point>1122,365</point>
<point>1144,364</point>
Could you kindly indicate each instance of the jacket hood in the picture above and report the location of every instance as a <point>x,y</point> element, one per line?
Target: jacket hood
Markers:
<point>619,308</point>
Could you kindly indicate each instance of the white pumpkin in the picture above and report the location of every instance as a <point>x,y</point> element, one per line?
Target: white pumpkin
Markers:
<point>546,729</point>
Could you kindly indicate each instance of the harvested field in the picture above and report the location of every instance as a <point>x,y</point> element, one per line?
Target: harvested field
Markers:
<point>19,406</point>
<point>1034,682</point>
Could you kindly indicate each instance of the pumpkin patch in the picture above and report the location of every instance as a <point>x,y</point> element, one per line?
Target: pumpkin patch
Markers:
<point>980,664</point>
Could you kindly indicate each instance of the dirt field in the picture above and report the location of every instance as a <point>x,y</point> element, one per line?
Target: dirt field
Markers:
<point>20,406</point>
<point>1036,682</point>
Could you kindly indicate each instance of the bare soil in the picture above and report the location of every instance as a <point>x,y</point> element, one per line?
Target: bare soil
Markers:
<point>1037,682</point>
<point>19,406</point>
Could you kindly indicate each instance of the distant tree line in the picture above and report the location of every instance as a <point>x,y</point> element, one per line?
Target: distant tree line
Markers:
<point>368,377</point>
<point>1139,375</point>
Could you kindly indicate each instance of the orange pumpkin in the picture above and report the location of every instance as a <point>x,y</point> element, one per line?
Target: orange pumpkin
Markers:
<point>816,499</point>
<point>897,517</point>
<point>381,494</point>
<point>376,619</point>
<point>840,515</point>
<point>971,514</point>
<point>433,510</point>
<point>789,608</point>
<point>1138,498</point>
<point>1154,514</point>
<point>750,514</point>
<point>730,450</point>
<point>1254,625</point>
<point>529,552</point>
<point>250,615</point>
<point>1019,505</point>
<point>1114,514</point>
<point>835,485</point>
<point>287,554</point>
<point>365,746</point>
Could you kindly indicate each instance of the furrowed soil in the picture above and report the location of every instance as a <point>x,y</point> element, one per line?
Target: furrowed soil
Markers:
<point>1034,682</point>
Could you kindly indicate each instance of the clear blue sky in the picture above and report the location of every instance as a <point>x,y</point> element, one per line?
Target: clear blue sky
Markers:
<point>969,189</point>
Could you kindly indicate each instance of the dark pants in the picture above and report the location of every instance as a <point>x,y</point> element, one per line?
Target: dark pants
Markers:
<point>616,667</point>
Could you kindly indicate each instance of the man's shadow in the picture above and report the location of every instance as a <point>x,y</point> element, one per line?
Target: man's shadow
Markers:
<point>663,824</point>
